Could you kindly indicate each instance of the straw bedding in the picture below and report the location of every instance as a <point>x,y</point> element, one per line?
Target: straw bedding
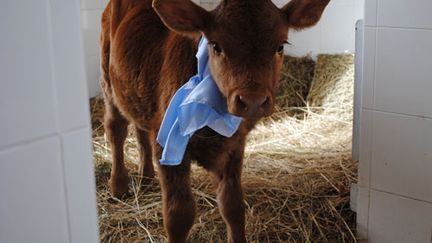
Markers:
<point>296,177</point>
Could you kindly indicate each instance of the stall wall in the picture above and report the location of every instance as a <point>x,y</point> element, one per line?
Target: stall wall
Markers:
<point>335,33</point>
<point>91,13</point>
<point>47,189</point>
<point>395,174</point>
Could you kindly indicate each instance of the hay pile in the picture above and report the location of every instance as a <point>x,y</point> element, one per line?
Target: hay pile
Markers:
<point>295,82</point>
<point>332,88</point>
<point>296,179</point>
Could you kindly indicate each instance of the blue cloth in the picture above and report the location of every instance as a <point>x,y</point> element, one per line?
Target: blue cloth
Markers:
<point>197,104</point>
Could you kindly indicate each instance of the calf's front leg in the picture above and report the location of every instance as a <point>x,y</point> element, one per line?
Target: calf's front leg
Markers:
<point>178,201</point>
<point>230,196</point>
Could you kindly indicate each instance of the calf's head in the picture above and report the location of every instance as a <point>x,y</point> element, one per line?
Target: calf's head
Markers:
<point>246,44</point>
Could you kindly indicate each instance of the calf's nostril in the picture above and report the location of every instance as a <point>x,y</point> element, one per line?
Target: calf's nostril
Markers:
<point>265,101</point>
<point>241,102</point>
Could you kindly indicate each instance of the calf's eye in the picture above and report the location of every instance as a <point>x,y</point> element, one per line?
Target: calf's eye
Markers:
<point>216,48</point>
<point>280,49</point>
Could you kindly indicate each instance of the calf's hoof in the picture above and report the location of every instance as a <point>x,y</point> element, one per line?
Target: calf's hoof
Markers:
<point>120,187</point>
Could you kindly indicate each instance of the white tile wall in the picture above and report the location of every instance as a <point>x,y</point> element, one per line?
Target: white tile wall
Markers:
<point>365,148</point>
<point>47,190</point>
<point>365,151</point>
<point>71,94</point>
<point>32,202</point>
<point>402,155</point>
<point>93,74</point>
<point>396,124</point>
<point>90,4</point>
<point>404,64</point>
<point>403,13</point>
<point>25,96</point>
<point>358,86</point>
<point>80,181</point>
<point>369,52</point>
<point>338,27</point>
<point>306,41</point>
<point>91,25</point>
<point>370,12</point>
<point>363,198</point>
<point>398,219</point>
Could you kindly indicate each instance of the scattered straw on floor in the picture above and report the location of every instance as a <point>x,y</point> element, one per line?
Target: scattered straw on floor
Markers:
<point>296,180</point>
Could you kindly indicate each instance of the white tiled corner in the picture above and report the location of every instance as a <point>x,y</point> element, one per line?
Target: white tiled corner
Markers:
<point>403,13</point>
<point>80,184</point>
<point>358,86</point>
<point>366,119</point>
<point>363,197</point>
<point>398,220</point>
<point>403,71</point>
<point>71,85</point>
<point>396,82</point>
<point>402,155</point>
<point>370,12</point>
<point>91,27</point>
<point>369,52</point>
<point>32,204</point>
<point>93,75</point>
<point>26,88</point>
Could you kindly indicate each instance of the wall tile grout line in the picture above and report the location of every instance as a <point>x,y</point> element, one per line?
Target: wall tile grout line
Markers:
<point>401,196</point>
<point>17,145</point>
<point>399,114</point>
<point>13,146</point>
<point>402,28</point>
<point>397,27</point>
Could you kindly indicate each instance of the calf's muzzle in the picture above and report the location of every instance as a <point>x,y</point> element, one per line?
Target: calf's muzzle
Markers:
<point>251,104</point>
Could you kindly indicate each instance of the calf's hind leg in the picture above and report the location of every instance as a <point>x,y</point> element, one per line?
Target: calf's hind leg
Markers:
<point>116,131</point>
<point>146,170</point>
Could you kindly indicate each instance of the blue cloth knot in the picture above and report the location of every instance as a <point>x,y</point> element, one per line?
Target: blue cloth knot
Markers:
<point>197,104</point>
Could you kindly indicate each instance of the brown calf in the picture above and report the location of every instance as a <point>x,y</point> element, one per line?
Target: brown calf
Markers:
<point>148,52</point>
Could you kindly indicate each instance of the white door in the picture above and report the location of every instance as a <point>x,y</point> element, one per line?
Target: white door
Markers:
<point>47,189</point>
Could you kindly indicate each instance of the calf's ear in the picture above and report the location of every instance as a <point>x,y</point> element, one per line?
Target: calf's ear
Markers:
<point>182,16</point>
<point>301,14</point>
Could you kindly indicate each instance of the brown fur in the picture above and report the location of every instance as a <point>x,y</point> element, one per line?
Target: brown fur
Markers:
<point>148,52</point>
